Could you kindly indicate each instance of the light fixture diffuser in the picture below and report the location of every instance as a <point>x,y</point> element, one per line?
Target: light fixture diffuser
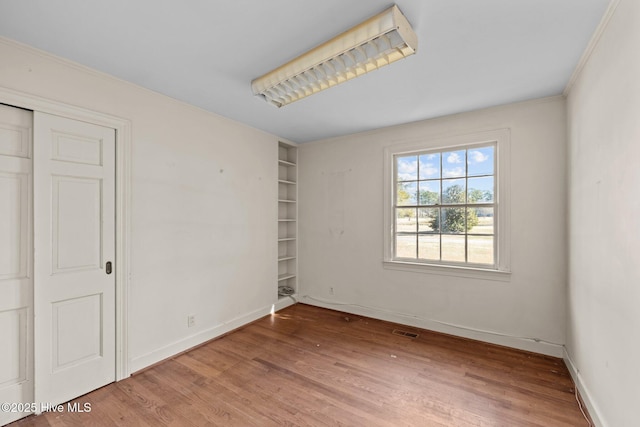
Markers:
<point>378,41</point>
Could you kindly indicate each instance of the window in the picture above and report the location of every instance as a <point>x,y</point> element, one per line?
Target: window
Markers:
<point>447,203</point>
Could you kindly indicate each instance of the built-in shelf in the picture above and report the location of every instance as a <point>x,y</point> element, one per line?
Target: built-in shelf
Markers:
<point>286,163</point>
<point>287,219</point>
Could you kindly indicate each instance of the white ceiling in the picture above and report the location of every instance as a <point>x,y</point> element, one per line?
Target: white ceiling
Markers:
<point>471,54</point>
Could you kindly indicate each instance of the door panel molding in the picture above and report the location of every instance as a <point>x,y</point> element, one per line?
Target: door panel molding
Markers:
<point>14,330</point>
<point>123,201</point>
<point>15,141</point>
<point>16,184</point>
<point>76,149</point>
<point>85,253</point>
<point>64,321</point>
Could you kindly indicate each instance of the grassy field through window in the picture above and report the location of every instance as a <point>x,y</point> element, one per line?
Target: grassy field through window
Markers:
<point>445,247</point>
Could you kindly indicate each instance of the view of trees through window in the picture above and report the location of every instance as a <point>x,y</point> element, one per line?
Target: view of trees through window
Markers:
<point>444,206</point>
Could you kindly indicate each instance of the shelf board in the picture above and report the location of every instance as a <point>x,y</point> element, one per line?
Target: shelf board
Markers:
<point>286,201</point>
<point>286,163</point>
<point>284,181</point>
<point>287,239</point>
<point>285,276</point>
<point>286,220</point>
<point>286,258</point>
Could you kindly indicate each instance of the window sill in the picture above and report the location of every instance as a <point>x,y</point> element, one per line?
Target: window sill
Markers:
<point>449,270</point>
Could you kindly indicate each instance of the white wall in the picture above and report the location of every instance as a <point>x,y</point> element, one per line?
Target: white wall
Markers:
<point>203,211</point>
<point>603,109</point>
<point>530,304</point>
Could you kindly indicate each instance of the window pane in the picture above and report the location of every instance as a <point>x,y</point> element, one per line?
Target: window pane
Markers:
<point>407,193</point>
<point>480,190</point>
<point>406,246</point>
<point>480,161</point>
<point>453,164</point>
<point>480,249</point>
<point>428,219</point>
<point>452,220</point>
<point>429,247</point>
<point>453,191</point>
<point>429,192</point>
<point>430,166</point>
<point>483,220</point>
<point>453,248</point>
<point>407,168</point>
<point>406,220</point>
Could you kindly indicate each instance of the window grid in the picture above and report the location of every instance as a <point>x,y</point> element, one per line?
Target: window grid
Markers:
<point>441,204</point>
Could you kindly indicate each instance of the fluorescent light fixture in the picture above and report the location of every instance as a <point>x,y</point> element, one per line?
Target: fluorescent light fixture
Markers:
<point>378,41</point>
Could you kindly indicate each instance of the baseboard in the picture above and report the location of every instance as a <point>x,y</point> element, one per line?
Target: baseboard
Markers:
<point>540,347</point>
<point>285,302</point>
<point>583,390</point>
<point>191,341</point>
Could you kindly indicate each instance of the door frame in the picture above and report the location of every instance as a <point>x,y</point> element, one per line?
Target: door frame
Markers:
<point>123,203</point>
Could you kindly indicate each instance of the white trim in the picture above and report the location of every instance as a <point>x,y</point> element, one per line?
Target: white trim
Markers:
<point>285,302</point>
<point>449,270</point>
<point>593,42</point>
<point>521,343</point>
<point>123,202</point>
<point>594,413</point>
<point>184,344</point>
<point>503,197</point>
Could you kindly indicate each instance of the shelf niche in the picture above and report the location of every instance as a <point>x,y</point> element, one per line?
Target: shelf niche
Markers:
<point>287,219</point>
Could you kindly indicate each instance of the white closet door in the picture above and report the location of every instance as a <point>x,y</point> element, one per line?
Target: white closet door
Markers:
<point>74,226</point>
<point>16,363</point>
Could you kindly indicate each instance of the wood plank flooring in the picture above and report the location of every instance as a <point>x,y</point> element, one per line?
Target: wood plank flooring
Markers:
<point>308,366</point>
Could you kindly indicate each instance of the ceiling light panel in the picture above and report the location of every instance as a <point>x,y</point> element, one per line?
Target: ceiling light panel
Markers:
<point>378,41</point>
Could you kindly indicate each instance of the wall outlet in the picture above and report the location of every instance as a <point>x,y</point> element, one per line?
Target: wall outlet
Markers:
<point>191,320</point>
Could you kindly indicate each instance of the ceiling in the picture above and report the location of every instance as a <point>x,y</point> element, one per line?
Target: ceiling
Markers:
<point>471,53</point>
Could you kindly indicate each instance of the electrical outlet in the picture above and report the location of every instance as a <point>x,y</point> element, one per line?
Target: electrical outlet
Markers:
<point>331,290</point>
<point>191,320</point>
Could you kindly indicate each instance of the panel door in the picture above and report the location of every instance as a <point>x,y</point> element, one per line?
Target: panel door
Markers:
<point>74,227</point>
<point>16,307</point>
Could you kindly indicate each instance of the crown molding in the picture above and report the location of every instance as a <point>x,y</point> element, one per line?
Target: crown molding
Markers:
<point>593,42</point>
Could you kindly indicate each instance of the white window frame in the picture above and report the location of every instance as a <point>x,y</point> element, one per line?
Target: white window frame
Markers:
<point>501,139</point>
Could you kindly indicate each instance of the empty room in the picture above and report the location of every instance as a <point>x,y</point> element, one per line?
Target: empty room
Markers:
<point>354,213</point>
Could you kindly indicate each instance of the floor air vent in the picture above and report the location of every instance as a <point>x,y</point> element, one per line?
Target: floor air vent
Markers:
<point>405,333</point>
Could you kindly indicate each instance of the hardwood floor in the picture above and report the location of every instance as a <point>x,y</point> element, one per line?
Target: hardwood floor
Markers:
<point>308,366</point>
